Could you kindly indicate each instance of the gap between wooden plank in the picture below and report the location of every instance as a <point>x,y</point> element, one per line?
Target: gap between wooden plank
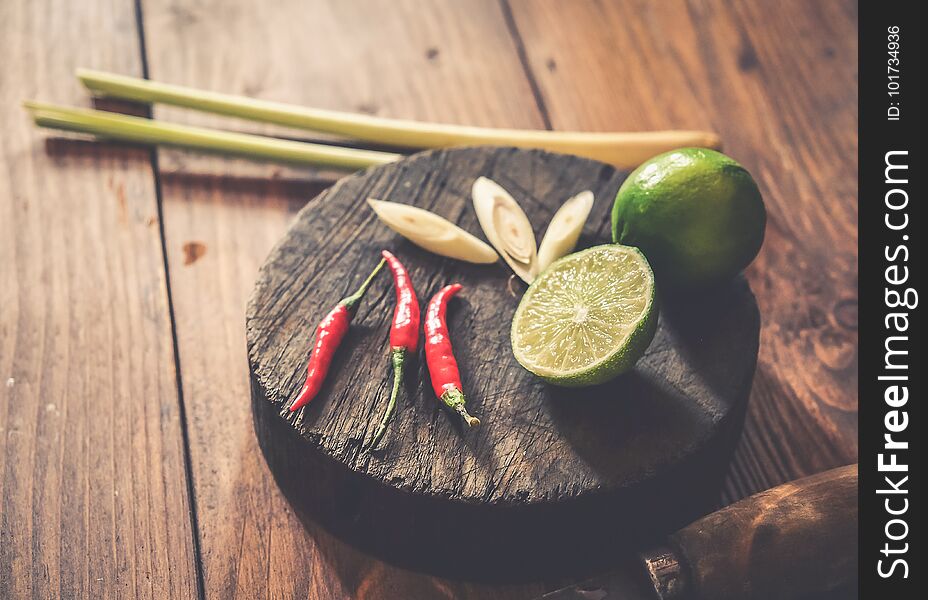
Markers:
<point>92,485</point>
<point>526,65</point>
<point>710,67</point>
<point>182,409</point>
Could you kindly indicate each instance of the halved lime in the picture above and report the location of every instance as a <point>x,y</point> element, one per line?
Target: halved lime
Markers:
<point>589,317</point>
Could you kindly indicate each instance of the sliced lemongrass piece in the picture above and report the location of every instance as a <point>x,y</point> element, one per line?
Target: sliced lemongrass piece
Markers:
<point>431,232</point>
<point>564,229</point>
<point>506,226</point>
<point>515,231</point>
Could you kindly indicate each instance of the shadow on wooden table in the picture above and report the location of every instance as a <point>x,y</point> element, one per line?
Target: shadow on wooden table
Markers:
<point>193,173</point>
<point>572,540</point>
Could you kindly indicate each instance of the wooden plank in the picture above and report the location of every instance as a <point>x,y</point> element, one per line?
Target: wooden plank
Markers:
<point>93,494</point>
<point>436,62</point>
<point>779,85</point>
<point>446,62</point>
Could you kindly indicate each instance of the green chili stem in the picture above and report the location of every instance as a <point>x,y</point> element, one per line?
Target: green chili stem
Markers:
<point>115,126</point>
<point>351,302</point>
<point>454,399</point>
<point>398,358</point>
<point>469,419</point>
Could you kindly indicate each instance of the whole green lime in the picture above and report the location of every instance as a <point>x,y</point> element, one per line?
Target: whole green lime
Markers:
<point>695,213</point>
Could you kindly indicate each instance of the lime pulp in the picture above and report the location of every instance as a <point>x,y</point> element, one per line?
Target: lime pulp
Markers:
<point>589,317</point>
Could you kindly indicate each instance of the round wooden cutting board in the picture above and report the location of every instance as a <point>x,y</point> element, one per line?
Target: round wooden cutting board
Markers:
<point>549,472</point>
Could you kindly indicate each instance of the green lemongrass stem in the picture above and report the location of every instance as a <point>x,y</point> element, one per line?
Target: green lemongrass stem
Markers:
<point>398,358</point>
<point>116,126</point>
<point>624,150</point>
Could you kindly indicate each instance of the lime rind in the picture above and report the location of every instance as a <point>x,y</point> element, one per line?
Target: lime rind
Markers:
<point>589,317</point>
<point>696,213</point>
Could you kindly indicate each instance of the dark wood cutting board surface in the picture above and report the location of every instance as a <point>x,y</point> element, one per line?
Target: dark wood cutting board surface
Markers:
<point>537,445</point>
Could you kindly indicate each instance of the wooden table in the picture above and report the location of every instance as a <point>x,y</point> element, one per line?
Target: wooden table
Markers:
<point>128,459</point>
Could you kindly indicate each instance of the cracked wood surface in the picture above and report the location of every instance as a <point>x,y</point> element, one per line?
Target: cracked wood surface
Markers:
<point>537,445</point>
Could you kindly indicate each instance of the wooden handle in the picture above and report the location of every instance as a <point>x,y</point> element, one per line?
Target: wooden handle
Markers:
<point>796,540</point>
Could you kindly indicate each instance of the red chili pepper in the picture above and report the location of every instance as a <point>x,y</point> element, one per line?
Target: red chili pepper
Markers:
<point>329,335</point>
<point>443,368</point>
<point>404,335</point>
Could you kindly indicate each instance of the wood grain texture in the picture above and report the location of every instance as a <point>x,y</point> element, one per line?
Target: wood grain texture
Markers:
<point>93,491</point>
<point>402,59</point>
<point>540,448</point>
<point>798,540</point>
<point>534,445</point>
<point>85,313</point>
<point>788,112</point>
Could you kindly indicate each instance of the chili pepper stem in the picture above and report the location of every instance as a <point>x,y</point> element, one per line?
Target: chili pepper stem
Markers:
<point>398,358</point>
<point>471,421</point>
<point>351,302</point>
<point>454,399</point>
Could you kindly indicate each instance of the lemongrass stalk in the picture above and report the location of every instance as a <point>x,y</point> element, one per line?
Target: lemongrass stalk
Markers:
<point>624,150</point>
<point>116,126</point>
